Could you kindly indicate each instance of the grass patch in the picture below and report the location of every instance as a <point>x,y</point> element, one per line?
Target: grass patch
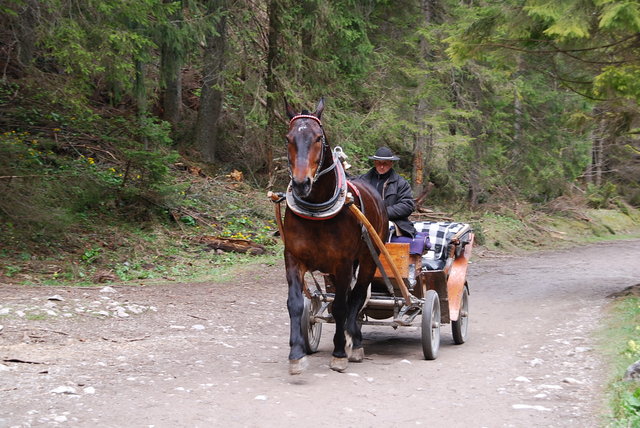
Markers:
<point>622,348</point>
<point>115,253</point>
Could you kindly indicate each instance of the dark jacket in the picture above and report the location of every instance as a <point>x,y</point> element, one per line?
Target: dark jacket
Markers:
<point>397,196</point>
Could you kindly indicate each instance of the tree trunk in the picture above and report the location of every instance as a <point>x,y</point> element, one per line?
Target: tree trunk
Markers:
<point>423,140</point>
<point>172,94</point>
<point>207,130</point>
<point>474,169</point>
<point>271,82</point>
<point>598,157</point>
<point>140,89</point>
<point>593,174</point>
<point>419,145</point>
<point>25,33</point>
<point>171,77</point>
<point>517,109</point>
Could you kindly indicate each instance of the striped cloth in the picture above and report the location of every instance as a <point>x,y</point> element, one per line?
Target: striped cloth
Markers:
<point>440,233</point>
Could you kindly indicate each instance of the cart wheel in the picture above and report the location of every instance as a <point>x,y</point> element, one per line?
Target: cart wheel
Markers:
<point>311,330</point>
<point>459,328</point>
<point>431,325</point>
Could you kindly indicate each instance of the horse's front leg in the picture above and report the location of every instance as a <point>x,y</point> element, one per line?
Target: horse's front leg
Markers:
<point>295,304</point>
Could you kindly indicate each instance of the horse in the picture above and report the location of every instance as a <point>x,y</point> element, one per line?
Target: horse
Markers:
<point>322,234</point>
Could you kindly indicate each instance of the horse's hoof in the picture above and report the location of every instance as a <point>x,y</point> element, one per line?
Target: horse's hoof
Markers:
<point>357,355</point>
<point>339,364</point>
<point>298,366</point>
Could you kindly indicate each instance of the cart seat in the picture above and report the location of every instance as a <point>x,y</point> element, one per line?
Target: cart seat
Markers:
<point>440,234</point>
<point>417,245</point>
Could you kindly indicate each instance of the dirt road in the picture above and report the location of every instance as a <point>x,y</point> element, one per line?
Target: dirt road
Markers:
<point>215,354</point>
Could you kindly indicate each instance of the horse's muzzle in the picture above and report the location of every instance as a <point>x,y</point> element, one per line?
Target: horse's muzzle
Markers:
<point>302,188</point>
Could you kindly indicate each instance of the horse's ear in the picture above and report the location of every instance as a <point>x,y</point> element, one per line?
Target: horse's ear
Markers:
<point>288,109</point>
<point>319,108</point>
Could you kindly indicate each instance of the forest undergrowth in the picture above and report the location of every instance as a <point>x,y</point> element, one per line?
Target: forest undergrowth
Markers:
<point>180,242</point>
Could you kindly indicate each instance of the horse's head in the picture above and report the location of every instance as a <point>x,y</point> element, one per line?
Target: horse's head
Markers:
<point>305,147</point>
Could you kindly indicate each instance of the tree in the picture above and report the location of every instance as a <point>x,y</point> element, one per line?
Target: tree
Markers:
<point>172,48</point>
<point>587,47</point>
<point>274,57</point>
<point>423,142</point>
<point>208,125</point>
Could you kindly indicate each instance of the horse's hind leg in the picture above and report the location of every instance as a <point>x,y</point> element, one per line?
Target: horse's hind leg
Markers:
<point>339,361</point>
<point>295,304</point>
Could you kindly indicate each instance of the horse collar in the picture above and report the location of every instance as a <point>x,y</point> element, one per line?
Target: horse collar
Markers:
<point>324,210</point>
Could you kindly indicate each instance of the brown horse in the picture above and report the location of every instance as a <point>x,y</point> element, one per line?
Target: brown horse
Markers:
<point>321,234</point>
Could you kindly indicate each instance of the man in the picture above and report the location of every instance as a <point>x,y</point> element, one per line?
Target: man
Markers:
<point>395,190</point>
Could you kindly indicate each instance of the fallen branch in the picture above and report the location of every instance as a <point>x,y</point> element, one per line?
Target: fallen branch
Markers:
<point>427,189</point>
<point>54,331</point>
<point>96,149</point>
<point>9,177</point>
<point>135,339</point>
<point>426,214</point>
<point>197,317</point>
<point>17,360</point>
<point>233,245</point>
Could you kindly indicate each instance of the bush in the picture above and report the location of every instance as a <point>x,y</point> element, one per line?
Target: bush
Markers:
<point>601,196</point>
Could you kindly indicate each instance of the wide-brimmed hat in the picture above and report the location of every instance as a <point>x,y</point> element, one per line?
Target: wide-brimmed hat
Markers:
<point>384,154</point>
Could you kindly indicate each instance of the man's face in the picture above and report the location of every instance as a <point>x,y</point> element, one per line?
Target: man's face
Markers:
<point>382,166</point>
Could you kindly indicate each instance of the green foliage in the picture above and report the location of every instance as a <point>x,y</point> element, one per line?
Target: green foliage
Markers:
<point>618,80</point>
<point>10,271</point>
<point>601,196</point>
<point>564,20</point>
<point>245,228</point>
<point>59,180</point>
<point>188,220</point>
<point>622,334</point>
<point>619,15</point>
<point>90,255</point>
<point>630,405</point>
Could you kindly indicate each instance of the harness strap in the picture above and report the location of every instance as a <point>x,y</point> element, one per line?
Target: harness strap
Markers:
<point>276,198</point>
<point>356,192</point>
<point>304,116</point>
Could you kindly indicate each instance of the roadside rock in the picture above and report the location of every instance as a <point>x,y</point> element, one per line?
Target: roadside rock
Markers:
<point>633,372</point>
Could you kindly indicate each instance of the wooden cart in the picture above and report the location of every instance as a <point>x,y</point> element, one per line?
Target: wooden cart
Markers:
<point>434,288</point>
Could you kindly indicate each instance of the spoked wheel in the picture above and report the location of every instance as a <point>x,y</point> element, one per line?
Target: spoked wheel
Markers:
<point>460,328</point>
<point>311,330</point>
<point>431,325</point>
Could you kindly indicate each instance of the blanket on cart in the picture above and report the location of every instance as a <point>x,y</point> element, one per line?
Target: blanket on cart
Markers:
<point>440,234</point>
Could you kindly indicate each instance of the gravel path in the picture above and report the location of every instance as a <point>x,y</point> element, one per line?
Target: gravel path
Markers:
<point>215,354</point>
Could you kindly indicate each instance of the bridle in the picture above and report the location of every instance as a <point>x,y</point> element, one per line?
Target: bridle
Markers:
<point>323,209</point>
<point>325,145</point>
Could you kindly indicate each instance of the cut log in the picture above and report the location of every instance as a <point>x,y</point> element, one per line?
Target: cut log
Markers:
<point>232,245</point>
